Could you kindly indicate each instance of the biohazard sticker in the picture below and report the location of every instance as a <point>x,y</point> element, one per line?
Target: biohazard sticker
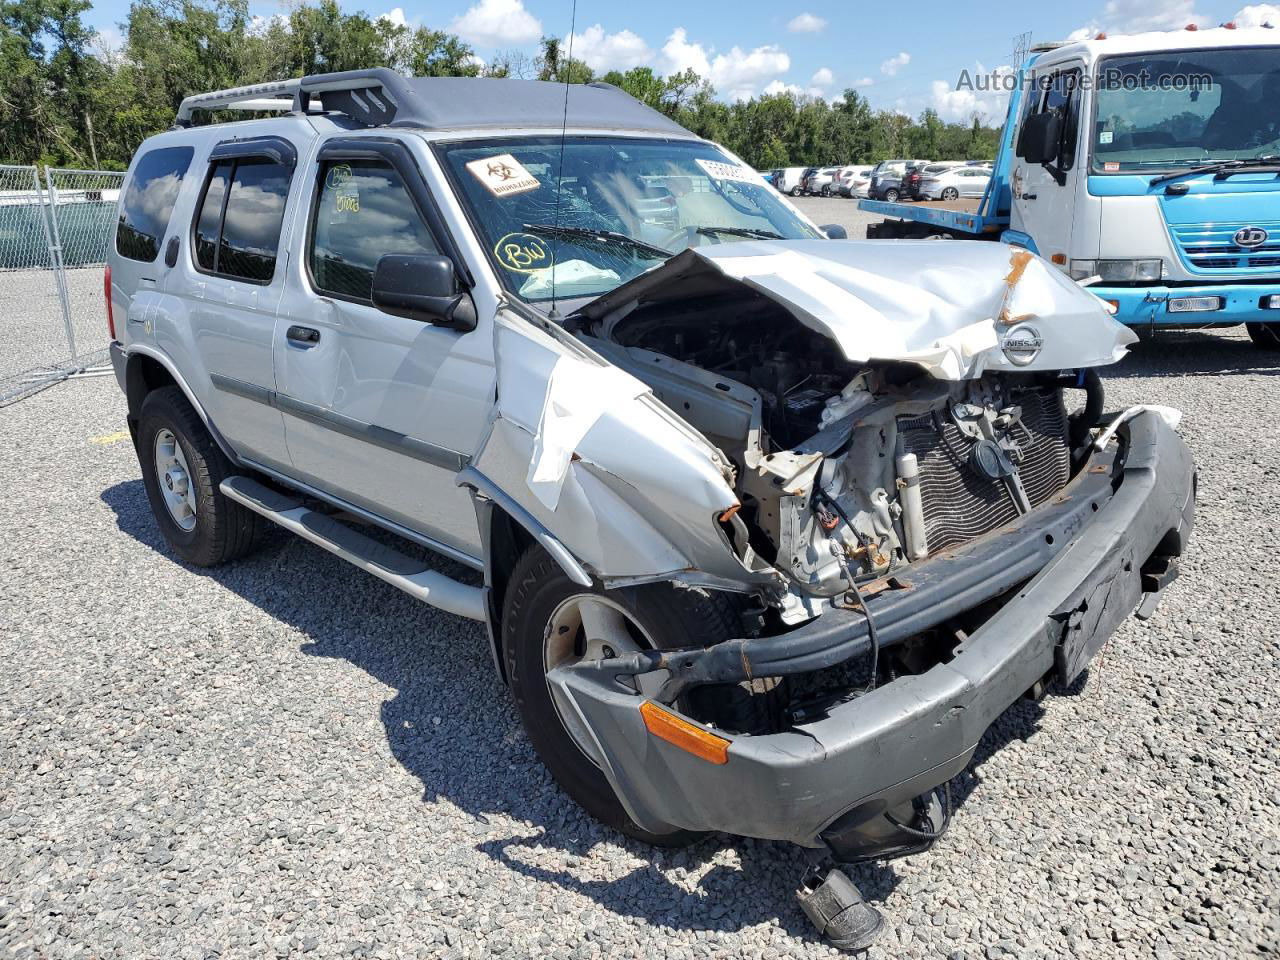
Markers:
<point>503,175</point>
<point>717,170</point>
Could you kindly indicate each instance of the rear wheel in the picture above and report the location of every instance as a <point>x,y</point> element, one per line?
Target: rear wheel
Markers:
<point>950,193</point>
<point>795,191</point>
<point>891,195</point>
<point>1265,336</point>
<point>181,470</point>
<point>549,621</point>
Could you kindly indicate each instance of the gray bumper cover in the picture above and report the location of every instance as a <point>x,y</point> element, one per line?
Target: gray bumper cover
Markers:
<point>912,734</point>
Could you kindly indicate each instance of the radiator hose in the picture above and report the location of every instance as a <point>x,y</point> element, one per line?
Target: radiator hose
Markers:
<point>1085,420</point>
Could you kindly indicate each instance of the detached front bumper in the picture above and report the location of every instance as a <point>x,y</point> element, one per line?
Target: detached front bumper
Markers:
<point>826,782</point>
<point>1149,306</point>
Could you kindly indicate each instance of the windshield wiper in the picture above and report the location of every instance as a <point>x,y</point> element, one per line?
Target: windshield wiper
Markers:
<point>740,232</point>
<point>1224,169</point>
<point>604,236</point>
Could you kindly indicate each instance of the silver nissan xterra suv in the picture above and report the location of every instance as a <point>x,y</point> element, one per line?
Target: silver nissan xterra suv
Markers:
<point>768,527</point>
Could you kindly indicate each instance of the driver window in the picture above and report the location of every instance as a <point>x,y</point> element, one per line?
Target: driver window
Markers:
<point>363,211</point>
<point>1063,99</point>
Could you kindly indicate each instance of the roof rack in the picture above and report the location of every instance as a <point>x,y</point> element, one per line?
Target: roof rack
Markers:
<point>373,97</point>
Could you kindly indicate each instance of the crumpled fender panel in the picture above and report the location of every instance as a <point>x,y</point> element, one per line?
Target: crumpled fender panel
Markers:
<point>642,492</point>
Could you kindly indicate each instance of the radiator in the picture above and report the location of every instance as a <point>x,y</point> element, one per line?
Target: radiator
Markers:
<point>959,503</point>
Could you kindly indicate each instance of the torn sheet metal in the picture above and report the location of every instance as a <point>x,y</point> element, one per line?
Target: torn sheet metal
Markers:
<point>578,394</point>
<point>948,307</point>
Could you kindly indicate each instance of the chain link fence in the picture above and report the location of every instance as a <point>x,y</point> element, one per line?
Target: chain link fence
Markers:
<point>54,232</point>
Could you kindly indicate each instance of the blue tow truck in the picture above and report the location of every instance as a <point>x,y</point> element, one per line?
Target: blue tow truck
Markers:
<point>1145,166</point>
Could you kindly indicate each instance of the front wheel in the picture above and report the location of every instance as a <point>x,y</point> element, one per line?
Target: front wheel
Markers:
<point>891,195</point>
<point>1265,336</point>
<point>795,191</point>
<point>549,621</point>
<point>951,193</point>
<point>181,470</point>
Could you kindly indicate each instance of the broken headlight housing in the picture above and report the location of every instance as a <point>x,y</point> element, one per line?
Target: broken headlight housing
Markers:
<point>1119,271</point>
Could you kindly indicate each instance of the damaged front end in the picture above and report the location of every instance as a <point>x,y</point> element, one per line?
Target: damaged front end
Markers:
<point>889,476</point>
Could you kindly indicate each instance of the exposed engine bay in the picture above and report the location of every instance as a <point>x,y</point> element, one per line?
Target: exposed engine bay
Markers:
<point>844,470</point>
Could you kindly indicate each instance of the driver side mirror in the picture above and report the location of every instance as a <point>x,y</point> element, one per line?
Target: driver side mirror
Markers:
<point>422,288</point>
<point>834,231</point>
<point>1041,138</point>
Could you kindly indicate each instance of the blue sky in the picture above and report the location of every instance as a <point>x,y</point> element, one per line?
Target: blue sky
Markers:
<point>751,46</point>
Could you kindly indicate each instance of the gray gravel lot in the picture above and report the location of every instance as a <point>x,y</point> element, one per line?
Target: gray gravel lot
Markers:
<point>286,756</point>
<point>33,334</point>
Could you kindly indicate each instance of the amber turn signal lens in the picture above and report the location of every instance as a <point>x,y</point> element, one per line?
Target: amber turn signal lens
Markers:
<point>679,732</point>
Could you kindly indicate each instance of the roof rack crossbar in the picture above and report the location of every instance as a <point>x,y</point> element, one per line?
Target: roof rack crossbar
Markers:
<point>372,97</point>
<point>268,94</point>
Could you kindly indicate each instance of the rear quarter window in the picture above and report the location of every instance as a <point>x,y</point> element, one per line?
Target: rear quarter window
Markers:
<point>148,201</point>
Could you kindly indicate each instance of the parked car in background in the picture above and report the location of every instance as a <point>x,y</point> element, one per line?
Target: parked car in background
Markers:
<point>819,182</point>
<point>911,182</point>
<point>886,179</point>
<point>787,180</point>
<point>951,183</point>
<point>852,181</point>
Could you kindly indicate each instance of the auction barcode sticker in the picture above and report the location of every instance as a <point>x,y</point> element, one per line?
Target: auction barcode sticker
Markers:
<point>718,170</point>
<point>503,175</point>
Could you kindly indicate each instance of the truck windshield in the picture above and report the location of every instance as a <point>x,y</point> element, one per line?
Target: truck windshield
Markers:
<point>624,205</point>
<point>1163,111</point>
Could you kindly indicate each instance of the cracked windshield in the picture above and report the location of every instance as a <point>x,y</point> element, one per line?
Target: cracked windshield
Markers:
<point>625,205</point>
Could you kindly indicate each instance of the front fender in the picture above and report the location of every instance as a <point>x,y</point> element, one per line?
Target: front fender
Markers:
<point>642,490</point>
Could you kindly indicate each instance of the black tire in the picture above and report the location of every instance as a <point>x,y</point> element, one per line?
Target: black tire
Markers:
<point>795,191</point>
<point>891,195</point>
<point>537,587</point>
<point>224,530</point>
<point>950,193</point>
<point>1265,336</point>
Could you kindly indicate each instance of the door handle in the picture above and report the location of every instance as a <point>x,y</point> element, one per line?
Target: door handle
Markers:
<point>303,336</point>
<point>1028,196</point>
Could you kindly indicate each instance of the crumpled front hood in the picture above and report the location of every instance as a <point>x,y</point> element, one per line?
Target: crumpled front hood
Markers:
<point>955,308</point>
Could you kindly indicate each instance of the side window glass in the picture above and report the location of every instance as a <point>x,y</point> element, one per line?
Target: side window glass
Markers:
<point>148,202</point>
<point>237,232</point>
<point>1063,98</point>
<point>209,221</point>
<point>363,211</point>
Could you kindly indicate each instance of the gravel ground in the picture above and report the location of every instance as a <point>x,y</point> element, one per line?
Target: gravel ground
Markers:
<point>33,335</point>
<point>286,756</point>
<point>824,210</point>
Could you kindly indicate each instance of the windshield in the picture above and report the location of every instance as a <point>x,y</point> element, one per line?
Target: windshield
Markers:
<point>1167,110</point>
<point>625,205</point>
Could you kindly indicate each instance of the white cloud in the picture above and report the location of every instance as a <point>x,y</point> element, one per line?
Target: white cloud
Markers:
<point>806,23</point>
<point>777,86</point>
<point>823,77</point>
<point>496,23</point>
<point>891,66</point>
<point>609,51</point>
<point>1084,33</point>
<point>395,16</point>
<point>680,55</point>
<point>737,75</point>
<point>1257,14</point>
<point>864,82</point>
<point>985,96</point>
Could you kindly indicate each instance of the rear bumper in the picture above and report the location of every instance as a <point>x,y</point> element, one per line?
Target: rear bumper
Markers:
<point>822,782</point>
<point>1149,306</point>
<point>119,363</point>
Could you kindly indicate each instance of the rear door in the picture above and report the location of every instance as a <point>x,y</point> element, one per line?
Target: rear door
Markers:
<point>381,411</point>
<point>232,277</point>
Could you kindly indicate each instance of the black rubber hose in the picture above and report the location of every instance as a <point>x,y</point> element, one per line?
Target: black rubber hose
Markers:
<point>1087,419</point>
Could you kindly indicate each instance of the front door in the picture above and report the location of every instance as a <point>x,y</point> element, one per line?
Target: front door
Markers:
<point>380,411</point>
<point>1043,194</point>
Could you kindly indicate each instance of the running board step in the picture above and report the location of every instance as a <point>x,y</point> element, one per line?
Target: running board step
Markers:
<point>385,563</point>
